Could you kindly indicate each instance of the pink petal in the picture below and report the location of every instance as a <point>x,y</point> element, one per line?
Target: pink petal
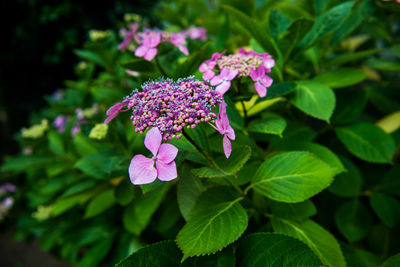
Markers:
<point>126,41</point>
<point>227,146</point>
<point>216,80</point>
<point>110,118</point>
<point>261,90</point>
<point>141,170</point>
<point>184,50</point>
<point>269,63</point>
<point>230,133</point>
<point>232,74</point>
<point>151,53</point>
<point>155,40</point>
<point>116,108</point>
<point>141,51</point>
<point>166,172</point>
<point>223,87</point>
<point>260,71</point>
<point>253,75</point>
<point>167,153</point>
<point>153,140</point>
<point>203,67</point>
<point>266,81</point>
<point>208,75</point>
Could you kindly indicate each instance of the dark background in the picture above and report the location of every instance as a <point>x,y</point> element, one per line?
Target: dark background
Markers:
<point>36,54</point>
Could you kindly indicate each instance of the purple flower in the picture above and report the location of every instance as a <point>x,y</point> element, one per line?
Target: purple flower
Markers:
<point>129,35</point>
<point>75,129</point>
<point>224,128</point>
<point>113,111</point>
<point>196,33</point>
<point>207,68</point>
<point>223,80</point>
<point>60,122</point>
<point>170,106</point>
<point>148,48</point>
<point>179,41</point>
<point>142,170</point>
<point>261,81</point>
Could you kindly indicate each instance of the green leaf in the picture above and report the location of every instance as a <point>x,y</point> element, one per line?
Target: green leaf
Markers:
<point>347,184</point>
<point>90,56</point>
<point>393,261</point>
<point>315,99</point>
<point>278,23</point>
<point>350,57</point>
<point>139,65</point>
<point>56,144</point>
<point>277,90</point>
<point>216,221</point>
<point>353,220</point>
<point>100,203</point>
<point>349,105</point>
<point>270,124</point>
<point>325,24</point>
<point>64,204</point>
<point>97,253</point>
<point>293,211</point>
<point>292,177</point>
<point>295,33</point>
<point>124,192</point>
<point>84,145</point>
<point>188,190</point>
<point>317,238</point>
<point>320,151</point>
<point>341,77</point>
<point>137,215</point>
<point>255,30</point>
<point>391,181</point>
<point>162,254</point>
<point>23,163</point>
<point>386,207</point>
<point>239,156</point>
<point>360,258</point>
<point>191,63</point>
<point>356,17</point>
<point>383,64</point>
<point>101,165</point>
<point>268,249</point>
<point>367,142</point>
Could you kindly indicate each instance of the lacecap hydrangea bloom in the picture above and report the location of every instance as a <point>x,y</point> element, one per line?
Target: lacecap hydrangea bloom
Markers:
<point>221,69</point>
<point>147,41</point>
<point>164,108</point>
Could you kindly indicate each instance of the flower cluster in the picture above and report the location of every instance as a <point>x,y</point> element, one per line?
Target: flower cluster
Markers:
<point>170,106</point>
<point>148,40</point>
<point>60,122</point>
<point>35,131</point>
<point>8,201</point>
<point>242,64</point>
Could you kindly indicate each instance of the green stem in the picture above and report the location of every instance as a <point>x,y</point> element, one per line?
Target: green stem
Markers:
<point>239,87</point>
<point>211,161</point>
<point>160,68</point>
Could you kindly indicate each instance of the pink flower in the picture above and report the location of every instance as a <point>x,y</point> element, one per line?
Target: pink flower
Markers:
<point>217,56</point>
<point>113,111</point>
<point>148,49</point>
<point>261,81</point>
<point>197,33</point>
<point>128,35</point>
<point>223,80</point>
<point>179,41</point>
<point>207,68</point>
<point>224,128</point>
<point>142,170</point>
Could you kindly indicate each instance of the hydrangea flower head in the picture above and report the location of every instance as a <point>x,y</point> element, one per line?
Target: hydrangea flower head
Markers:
<point>242,64</point>
<point>170,106</point>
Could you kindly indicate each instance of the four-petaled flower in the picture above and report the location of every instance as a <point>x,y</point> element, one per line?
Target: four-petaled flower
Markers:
<point>142,170</point>
<point>224,128</point>
<point>148,49</point>
<point>261,81</point>
<point>223,80</point>
<point>207,68</point>
<point>179,41</point>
